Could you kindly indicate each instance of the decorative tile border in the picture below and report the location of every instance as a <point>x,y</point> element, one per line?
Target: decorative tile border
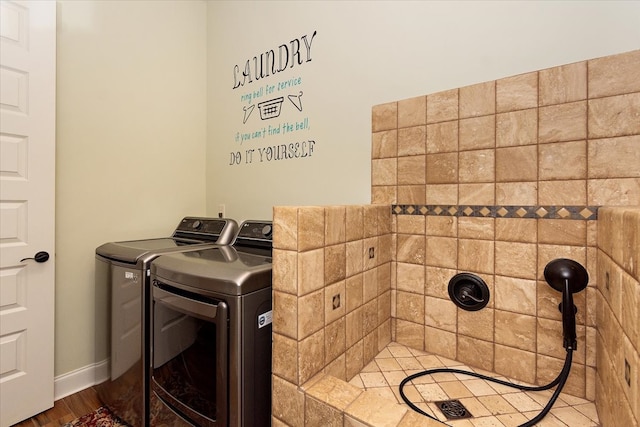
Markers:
<point>584,213</point>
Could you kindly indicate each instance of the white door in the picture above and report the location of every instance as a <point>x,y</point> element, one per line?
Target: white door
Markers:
<point>27,196</point>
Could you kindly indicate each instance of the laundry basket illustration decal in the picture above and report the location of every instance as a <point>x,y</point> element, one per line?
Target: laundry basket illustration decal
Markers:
<point>271,108</point>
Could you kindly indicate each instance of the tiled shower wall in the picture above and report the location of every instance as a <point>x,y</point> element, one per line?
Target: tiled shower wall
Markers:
<point>618,317</point>
<point>331,296</point>
<point>498,179</point>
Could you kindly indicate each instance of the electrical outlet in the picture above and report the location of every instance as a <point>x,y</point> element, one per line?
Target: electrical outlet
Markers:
<point>221,213</point>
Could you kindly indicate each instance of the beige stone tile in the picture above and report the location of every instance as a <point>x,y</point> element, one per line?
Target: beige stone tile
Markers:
<point>337,368</point>
<point>319,414</point>
<point>631,248</point>
<point>384,171</point>
<point>285,271</point>
<point>441,342</point>
<point>562,122</point>
<point>285,314</point>
<point>515,259</point>
<point>334,337</point>
<point>521,401</point>
<point>411,195</point>
<point>614,116</point>
<point>614,192</point>
<point>478,99</point>
<point>477,194</point>
<point>570,416</point>
<point>517,164</point>
<point>410,306</point>
<point>414,419</point>
<point>456,389</point>
<point>384,144</point>
<point>477,166</point>
<point>516,193</point>
<point>311,356</point>
<point>477,133</point>
<point>310,313</point>
<point>479,388</point>
<point>563,193</point>
<point>476,255</point>
<point>384,278</point>
<point>565,160</point>
<point>516,230</point>
<point>384,117</point>
<point>310,271</point>
<point>515,330</point>
<point>442,194</point>
<point>476,324</point>
<point>410,277</point>
<point>476,228</point>
<point>442,137</point>
<point>334,302</point>
<point>438,281</point>
<point>354,223</point>
<point>310,228</point>
<point>517,128</point>
<point>475,351</point>
<point>517,92</point>
<point>411,249</point>
<point>386,194</point>
<point>285,362</point>
<point>444,226</point>
<point>369,285</point>
<point>354,359</point>
<point>442,168</point>
<point>411,170</point>
<point>334,221</point>
<point>288,402</point>
<point>441,251</point>
<point>410,334</point>
<point>354,326</point>
<point>442,106</point>
<point>334,392</point>
<point>562,84</point>
<point>562,232</point>
<point>614,75</point>
<point>515,295</point>
<point>370,218</point>
<point>354,260</point>
<point>410,224</point>
<point>412,141</point>
<point>334,263</point>
<point>285,227</point>
<point>614,157</point>
<point>370,320</point>
<point>496,404</point>
<point>412,112</point>
<point>375,409</point>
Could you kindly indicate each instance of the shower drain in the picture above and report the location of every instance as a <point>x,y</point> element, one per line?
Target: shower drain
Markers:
<point>453,409</point>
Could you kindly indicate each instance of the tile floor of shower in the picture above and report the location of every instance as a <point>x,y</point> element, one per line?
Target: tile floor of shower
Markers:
<point>490,404</point>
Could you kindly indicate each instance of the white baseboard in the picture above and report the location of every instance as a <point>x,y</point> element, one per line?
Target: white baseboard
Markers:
<point>74,381</point>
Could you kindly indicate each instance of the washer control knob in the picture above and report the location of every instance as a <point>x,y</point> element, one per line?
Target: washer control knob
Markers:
<point>267,230</point>
<point>196,224</point>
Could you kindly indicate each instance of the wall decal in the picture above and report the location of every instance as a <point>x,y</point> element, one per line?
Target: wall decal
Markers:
<point>278,130</point>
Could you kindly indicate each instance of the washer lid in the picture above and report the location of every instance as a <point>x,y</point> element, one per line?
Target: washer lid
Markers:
<point>131,251</point>
<point>219,270</point>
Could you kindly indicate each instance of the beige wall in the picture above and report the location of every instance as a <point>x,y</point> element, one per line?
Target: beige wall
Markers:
<point>369,53</point>
<point>130,142</point>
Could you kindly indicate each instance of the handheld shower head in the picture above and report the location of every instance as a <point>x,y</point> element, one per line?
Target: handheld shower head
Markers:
<point>562,270</point>
<point>567,276</point>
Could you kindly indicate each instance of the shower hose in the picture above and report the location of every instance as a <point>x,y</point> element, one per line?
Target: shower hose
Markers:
<point>559,381</point>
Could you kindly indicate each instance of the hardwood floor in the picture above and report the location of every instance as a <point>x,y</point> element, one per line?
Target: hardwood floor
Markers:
<point>65,410</point>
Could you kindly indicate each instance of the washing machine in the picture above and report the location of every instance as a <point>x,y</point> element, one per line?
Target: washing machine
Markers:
<point>211,333</point>
<point>122,280</point>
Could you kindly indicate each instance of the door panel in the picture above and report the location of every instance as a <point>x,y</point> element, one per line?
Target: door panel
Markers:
<point>27,195</point>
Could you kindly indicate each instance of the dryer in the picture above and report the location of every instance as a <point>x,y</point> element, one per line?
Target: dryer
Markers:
<point>122,281</point>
